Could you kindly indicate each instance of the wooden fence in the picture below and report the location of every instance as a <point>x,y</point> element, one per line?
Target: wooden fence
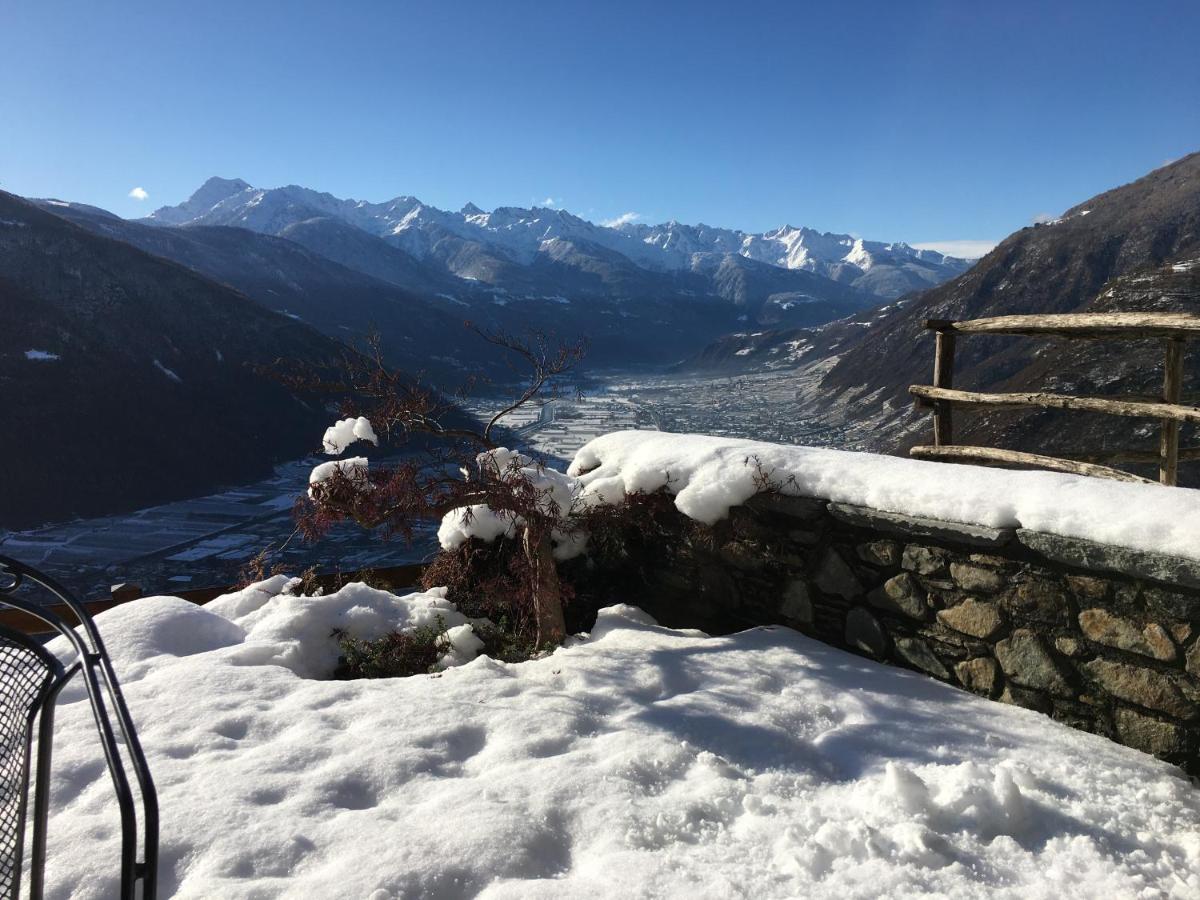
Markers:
<point>1174,329</point>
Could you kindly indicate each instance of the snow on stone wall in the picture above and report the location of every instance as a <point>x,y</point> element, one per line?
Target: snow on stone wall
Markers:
<point>710,475</point>
<point>1074,596</point>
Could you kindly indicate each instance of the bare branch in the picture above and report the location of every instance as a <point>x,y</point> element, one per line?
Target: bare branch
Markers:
<point>546,362</point>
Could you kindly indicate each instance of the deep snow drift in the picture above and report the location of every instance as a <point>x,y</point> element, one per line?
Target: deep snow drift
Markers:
<point>636,762</point>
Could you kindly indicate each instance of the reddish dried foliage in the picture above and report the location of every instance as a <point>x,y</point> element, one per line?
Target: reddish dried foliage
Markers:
<point>449,473</point>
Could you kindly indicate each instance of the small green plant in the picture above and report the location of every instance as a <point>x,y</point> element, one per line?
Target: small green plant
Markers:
<point>503,642</point>
<point>394,655</point>
<point>416,652</point>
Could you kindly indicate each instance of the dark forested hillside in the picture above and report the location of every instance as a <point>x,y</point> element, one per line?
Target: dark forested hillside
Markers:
<point>422,333</point>
<point>126,379</point>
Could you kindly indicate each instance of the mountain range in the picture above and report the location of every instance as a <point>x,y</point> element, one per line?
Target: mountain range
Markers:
<point>695,280</point>
<point>132,349</point>
<point>642,295</point>
<point>469,242</point>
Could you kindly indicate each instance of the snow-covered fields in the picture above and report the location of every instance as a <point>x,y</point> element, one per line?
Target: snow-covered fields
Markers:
<point>635,762</point>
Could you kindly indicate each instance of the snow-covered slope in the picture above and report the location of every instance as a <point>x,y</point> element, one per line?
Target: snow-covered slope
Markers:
<point>884,269</point>
<point>636,762</point>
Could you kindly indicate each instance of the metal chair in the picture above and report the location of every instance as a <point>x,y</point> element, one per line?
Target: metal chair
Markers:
<point>30,681</point>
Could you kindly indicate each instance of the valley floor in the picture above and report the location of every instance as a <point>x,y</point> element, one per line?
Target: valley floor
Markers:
<point>206,540</point>
<point>200,542</point>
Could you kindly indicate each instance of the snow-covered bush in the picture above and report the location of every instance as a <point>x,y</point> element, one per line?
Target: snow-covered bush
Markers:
<point>463,479</point>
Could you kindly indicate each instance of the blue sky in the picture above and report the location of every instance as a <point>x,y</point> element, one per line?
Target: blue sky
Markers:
<point>896,121</point>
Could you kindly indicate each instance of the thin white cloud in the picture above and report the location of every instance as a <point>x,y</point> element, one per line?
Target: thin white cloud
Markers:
<point>962,249</point>
<point>139,193</point>
<point>623,219</point>
<point>551,202</point>
<point>1042,218</point>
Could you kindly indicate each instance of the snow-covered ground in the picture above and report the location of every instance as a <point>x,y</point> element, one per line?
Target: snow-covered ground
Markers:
<point>636,762</point>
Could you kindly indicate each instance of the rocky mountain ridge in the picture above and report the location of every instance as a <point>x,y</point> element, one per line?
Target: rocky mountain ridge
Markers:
<point>506,248</point>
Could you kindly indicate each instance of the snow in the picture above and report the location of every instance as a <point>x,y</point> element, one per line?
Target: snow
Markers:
<point>168,372</point>
<point>859,256</point>
<point>354,468</point>
<point>636,762</point>
<point>556,495</point>
<point>709,475</point>
<point>345,432</point>
<point>41,355</point>
<point>462,645</point>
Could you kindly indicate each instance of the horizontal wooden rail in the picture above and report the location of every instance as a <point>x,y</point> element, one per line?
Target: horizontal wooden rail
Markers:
<point>1100,326</point>
<point>1107,405</point>
<point>1132,456</point>
<point>997,457</point>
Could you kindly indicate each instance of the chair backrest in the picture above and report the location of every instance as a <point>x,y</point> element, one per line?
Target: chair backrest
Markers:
<point>27,675</point>
<point>30,680</point>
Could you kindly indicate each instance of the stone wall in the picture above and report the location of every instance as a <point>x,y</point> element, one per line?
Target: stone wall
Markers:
<point>1101,638</point>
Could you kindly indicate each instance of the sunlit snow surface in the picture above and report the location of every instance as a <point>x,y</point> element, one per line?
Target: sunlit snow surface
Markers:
<point>709,475</point>
<point>345,432</point>
<point>636,762</point>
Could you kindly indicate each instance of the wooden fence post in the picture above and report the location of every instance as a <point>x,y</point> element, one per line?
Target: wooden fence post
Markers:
<point>943,377</point>
<point>1168,465</point>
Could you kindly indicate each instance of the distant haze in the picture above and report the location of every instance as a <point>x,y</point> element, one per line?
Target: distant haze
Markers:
<point>961,249</point>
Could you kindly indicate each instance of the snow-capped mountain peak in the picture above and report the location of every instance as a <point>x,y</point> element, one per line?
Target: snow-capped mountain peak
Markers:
<point>209,197</point>
<point>859,256</point>
<point>520,234</point>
